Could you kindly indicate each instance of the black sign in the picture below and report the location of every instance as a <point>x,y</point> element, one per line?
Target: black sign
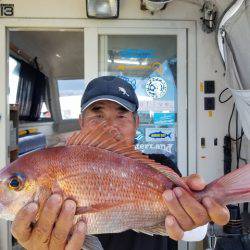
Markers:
<point>6,9</point>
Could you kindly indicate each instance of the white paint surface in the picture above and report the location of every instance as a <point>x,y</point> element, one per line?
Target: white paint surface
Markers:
<point>208,64</point>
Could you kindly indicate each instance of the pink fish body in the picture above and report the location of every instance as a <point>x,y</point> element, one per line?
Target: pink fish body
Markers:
<point>115,187</point>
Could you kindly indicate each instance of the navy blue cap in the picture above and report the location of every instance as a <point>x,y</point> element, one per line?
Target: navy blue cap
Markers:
<point>110,88</point>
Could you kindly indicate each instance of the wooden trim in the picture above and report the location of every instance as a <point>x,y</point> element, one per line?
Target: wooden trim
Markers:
<point>27,58</point>
<point>20,52</point>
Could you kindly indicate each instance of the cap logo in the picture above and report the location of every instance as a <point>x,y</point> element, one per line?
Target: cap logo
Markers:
<point>124,92</point>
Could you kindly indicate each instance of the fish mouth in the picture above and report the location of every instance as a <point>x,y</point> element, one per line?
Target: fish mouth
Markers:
<point>4,215</point>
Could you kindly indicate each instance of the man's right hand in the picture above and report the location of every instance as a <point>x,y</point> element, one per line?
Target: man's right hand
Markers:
<point>53,230</point>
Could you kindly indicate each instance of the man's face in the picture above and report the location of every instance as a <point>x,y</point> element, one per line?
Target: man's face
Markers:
<point>114,114</point>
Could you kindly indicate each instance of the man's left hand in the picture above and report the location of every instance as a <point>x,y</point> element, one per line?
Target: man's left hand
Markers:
<point>187,213</point>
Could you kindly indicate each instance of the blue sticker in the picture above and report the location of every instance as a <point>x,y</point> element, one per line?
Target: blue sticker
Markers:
<point>139,135</point>
<point>164,119</point>
<point>137,53</point>
<point>160,134</point>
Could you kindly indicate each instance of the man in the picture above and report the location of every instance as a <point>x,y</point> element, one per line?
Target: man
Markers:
<point>113,100</point>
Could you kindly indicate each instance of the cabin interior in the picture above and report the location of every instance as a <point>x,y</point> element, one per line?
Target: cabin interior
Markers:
<point>50,50</point>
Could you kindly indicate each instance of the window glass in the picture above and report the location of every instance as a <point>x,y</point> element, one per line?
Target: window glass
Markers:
<point>45,112</point>
<point>70,93</point>
<point>14,67</point>
<point>149,64</point>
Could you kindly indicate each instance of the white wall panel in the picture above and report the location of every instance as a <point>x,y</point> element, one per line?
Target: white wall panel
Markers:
<point>208,64</point>
<point>129,9</point>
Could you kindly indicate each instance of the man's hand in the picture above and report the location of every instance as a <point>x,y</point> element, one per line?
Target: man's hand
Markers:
<point>187,213</point>
<point>53,230</point>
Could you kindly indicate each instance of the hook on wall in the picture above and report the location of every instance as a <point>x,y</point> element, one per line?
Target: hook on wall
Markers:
<point>154,5</point>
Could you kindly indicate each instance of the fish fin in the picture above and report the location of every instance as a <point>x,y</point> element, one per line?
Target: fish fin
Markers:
<point>96,137</point>
<point>154,230</point>
<point>108,138</point>
<point>70,140</point>
<point>171,175</point>
<point>231,188</point>
<point>92,243</point>
<point>95,208</point>
<point>166,171</point>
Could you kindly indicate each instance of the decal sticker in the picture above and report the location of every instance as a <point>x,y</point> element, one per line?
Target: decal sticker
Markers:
<point>156,106</point>
<point>157,67</point>
<point>137,53</point>
<point>164,119</point>
<point>156,148</point>
<point>156,87</point>
<point>139,135</point>
<point>160,134</point>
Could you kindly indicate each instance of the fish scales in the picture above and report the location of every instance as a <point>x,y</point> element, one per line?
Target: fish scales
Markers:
<point>108,179</point>
<point>115,187</point>
<point>92,176</point>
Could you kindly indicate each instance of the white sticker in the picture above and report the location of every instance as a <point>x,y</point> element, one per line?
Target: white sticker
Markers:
<point>154,147</point>
<point>157,106</point>
<point>156,87</point>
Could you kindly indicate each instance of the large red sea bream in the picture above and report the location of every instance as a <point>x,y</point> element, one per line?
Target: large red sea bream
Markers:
<point>116,187</point>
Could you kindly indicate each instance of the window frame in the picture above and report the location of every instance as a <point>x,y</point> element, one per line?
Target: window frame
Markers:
<point>58,97</point>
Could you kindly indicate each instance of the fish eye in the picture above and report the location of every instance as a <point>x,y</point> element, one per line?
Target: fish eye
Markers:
<point>16,182</point>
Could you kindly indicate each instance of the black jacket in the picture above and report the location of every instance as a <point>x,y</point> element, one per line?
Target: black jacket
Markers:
<point>130,240</point>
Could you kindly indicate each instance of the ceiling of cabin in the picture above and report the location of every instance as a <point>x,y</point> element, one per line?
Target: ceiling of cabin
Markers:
<point>60,53</point>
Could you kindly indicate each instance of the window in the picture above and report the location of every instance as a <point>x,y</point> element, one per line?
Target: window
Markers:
<point>14,67</point>
<point>149,64</point>
<point>14,71</point>
<point>45,113</point>
<point>70,94</point>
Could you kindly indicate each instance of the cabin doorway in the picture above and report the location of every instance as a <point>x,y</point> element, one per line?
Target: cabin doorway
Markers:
<point>135,50</point>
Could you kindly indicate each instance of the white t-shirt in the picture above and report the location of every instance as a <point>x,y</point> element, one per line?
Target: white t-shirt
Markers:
<point>196,234</point>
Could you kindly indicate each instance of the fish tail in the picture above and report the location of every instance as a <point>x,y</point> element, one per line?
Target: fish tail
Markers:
<point>231,188</point>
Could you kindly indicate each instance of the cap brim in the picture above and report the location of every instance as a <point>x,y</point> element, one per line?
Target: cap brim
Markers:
<point>128,105</point>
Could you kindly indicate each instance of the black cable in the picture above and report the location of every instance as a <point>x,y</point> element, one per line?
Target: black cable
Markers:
<point>227,144</point>
<point>229,122</point>
<point>229,127</point>
<point>222,92</point>
<point>245,204</point>
<point>231,116</point>
<point>236,143</point>
<point>240,144</point>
